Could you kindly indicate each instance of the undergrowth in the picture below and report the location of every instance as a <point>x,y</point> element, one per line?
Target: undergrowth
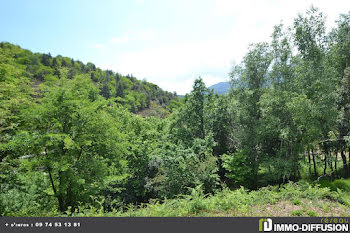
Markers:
<point>240,202</point>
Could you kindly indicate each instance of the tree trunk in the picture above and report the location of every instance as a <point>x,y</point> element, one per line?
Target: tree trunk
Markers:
<point>255,184</point>
<point>58,196</point>
<point>331,162</point>
<point>325,164</point>
<point>345,165</point>
<point>255,172</point>
<point>52,183</point>
<point>70,200</point>
<point>336,159</point>
<point>62,191</point>
<point>314,162</point>
<point>309,157</point>
<point>61,203</point>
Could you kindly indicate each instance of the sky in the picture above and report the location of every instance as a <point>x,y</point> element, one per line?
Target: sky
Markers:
<point>169,43</point>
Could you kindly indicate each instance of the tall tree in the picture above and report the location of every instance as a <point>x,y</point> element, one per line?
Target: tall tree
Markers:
<point>190,122</point>
<point>75,140</point>
<point>315,77</point>
<point>340,45</point>
<point>250,80</point>
<point>344,115</point>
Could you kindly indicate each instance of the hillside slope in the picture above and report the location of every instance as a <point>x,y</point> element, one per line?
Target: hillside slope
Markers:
<point>130,92</point>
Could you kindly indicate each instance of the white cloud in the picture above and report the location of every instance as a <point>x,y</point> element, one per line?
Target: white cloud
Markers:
<point>174,64</point>
<point>273,11</point>
<point>181,62</point>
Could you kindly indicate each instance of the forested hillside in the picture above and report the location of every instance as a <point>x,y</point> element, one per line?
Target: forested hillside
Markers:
<point>38,68</point>
<point>70,143</point>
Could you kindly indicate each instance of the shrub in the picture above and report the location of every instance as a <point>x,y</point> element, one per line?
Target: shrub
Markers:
<point>342,184</point>
<point>237,168</point>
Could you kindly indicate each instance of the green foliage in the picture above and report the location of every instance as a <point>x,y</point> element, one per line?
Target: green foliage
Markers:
<point>71,143</point>
<point>239,202</point>
<point>28,199</point>
<point>174,105</point>
<point>182,168</point>
<point>134,94</point>
<point>311,213</point>
<point>237,167</point>
<point>74,139</point>
<point>251,84</point>
<point>190,122</point>
<point>341,184</point>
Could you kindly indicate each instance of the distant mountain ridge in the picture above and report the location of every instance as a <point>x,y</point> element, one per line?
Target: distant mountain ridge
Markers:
<point>220,88</point>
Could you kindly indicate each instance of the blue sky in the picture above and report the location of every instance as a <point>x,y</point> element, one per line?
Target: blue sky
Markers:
<point>169,43</point>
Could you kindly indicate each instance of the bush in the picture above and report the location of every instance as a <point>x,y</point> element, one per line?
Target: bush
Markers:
<point>32,200</point>
<point>342,184</point>
<point>183,168</point>
<point>237,168</point>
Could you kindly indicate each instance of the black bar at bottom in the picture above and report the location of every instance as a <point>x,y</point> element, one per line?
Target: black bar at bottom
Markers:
<point>175,224</point>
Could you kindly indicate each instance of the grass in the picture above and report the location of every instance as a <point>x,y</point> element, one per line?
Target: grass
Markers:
<point>293,199</point>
